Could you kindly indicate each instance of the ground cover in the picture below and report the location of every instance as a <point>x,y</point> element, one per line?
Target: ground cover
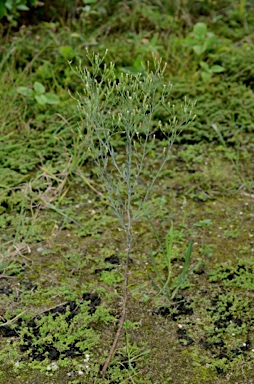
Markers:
<point>62,255</point>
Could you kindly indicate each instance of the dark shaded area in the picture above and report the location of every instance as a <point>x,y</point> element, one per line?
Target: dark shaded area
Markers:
<point>5,289</point>
<point>180,306</point>
<point>184,338</point>
<point>114,260</point>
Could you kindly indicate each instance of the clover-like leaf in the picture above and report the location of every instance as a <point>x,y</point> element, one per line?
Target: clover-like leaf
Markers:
<point>200,30</point>
<point>217,68</point>
<point>199,49</point>
<point>51,98</point>
<point>204,65</point>
<point>39,88</point>
<point>41,99</point>
<point>67,52</point>
<point>25,91</point>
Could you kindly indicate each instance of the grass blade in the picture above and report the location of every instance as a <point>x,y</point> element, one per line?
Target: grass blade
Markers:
<point>180,279</point>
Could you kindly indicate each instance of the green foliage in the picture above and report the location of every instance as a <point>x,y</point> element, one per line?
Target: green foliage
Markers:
<point>62,332</point>
<point>204,43</point>
<point>229,105</point>
<point>46,169</point>
<point>123,109</point>
<point>56,330</point>
<point>208,71</point>
<point>11,9</point>
<point>240,275</point>
<point>203,223</point>
<point>67,52</point>
<point>201,41</point>
<point>111,277</point>
<point>9,264</point>
<point>169,287</point>
<point>132,353</point>
<point>38,94</point>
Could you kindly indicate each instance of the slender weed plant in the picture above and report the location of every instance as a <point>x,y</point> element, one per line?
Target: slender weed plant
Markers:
<point>119,114</point>
<point>169,287</point>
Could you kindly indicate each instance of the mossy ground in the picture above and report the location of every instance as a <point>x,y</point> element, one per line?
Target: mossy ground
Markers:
<point>62,251</point>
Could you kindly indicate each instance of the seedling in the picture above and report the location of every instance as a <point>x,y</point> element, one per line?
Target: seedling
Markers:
<point>202,41</point>
<point>38,94</point>
<point>169,287</point>
<point>208,71</point>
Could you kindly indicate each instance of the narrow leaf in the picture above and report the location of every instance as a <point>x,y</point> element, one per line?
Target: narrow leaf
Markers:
<point>155,268</point>
<point>157,237</point>
<point>217,68</point>
<point>22,7</point>
<point>181,279</point>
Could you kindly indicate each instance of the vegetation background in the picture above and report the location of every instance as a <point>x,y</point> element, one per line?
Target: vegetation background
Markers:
<point>61,249</point>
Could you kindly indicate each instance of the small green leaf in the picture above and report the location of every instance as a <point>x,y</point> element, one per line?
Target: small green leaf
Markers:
<point>217,68</point>
<point>22,7</point>
<point>178,282</point>
<point>25,91</point>
<point>156,269</point>
<point>200,29</point>
<point>199,49</point>
<point>204,65</point>
<point>67,52</point>
<point>45,71</point>
<point>136,68</point>
<point>51,98</point>
<point>41,99</point>
<point>39,88</point>
<point>203,223</point>
<point>9,5</point>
